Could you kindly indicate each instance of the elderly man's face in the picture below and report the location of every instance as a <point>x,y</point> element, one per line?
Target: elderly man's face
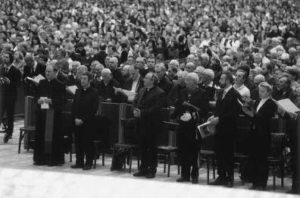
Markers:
<point>50,73</point>
<point>190,83</point>
<point>5,58</point>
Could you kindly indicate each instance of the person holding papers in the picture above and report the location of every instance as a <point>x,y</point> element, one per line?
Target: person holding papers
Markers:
<point>191,108</point>
<point>261,114</point>
<point>32,69</point>
<point>50,95</point>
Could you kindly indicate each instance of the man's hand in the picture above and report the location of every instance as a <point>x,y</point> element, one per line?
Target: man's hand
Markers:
<point>137,113</point>
<point>78,122</point>
<point>48,100</point>
<point>6,80</point>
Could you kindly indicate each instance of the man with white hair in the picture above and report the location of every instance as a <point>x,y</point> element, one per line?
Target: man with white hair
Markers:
<point>257,80</point>
<point>204,59</point>
<point>116,72</point>
<point>106,86</point>
<point>190,67</point>
<point>208,76</point>
<point>191,108</point>
<point>164,82</point>
<point>173,69</point>
<point>178,85</point>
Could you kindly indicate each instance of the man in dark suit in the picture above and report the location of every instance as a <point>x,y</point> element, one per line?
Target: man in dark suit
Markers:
<point>227,111</point>
<point>116,72</point>
<point>84,110</point>
<point>49,92</point>
<point>11,80</point>
<point>147,111</point>
<point>101,55</point>
<point>106,86</point>
<point>163,80</point>
<point>192,101</point>
<point>32,69</point>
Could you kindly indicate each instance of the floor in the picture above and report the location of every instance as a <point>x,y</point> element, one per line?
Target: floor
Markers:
<point>16,168</point>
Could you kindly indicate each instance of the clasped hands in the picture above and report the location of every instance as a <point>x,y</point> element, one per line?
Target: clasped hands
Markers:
<point>78,122</point>
<point>137,113</point>
<point>45,100</point>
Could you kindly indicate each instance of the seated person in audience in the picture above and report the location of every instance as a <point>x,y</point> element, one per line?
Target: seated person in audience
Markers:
<point>115,70</point>
<point>190,67</point>
<point>283,90</point>
<point>84,109</point>
<point>72,75</point>
<point>178,85</point>
<point>105,87</point>
<point>261,114</point>
<point>150,64</point>
<point>191,108</point>
<point>255,92</point>
<point>164,82</point>
<point>208,76</point>
<point>173,69</point>
<point>63,72</point>
<point>239,85</point>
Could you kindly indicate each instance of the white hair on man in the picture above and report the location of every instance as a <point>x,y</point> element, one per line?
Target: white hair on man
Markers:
<point>193,77</point>
<point>174,63</point>
<point>209,73</point>
<point>199,70</point>
<point>106,71</point>
<point>259,78</point>
<point>181,74</point>
<point>113,59</point>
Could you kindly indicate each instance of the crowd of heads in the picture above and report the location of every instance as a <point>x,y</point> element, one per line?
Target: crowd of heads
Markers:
<point>257,41</point>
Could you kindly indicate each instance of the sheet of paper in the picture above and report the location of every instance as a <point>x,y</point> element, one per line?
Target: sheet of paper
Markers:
<point>44,105</point>
<point>72,89</point>
<point>288,106</point>
<point>36,79</point>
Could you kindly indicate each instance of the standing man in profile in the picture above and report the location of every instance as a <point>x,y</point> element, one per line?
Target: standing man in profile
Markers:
<point>227,111</point>
<point>9,84</point>
<point>84,109</point>
<point>147,111</point>
<point>50,95</point>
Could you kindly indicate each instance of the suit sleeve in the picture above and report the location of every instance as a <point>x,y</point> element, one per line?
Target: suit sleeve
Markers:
<point>156,107</point>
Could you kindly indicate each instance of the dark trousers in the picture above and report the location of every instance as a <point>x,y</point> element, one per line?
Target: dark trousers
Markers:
<point>8,107</point>
<point>224,148</point>
<point>148,153</point>
<point>188,148</point>
<point>259,158</point>
<point>83,145</point>
<point>188,153</point>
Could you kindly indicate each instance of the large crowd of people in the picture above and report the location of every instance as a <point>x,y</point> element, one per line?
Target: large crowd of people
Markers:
<point>204,59</point>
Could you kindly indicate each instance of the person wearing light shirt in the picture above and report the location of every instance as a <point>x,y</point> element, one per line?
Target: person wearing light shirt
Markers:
<point>241,77</point>
<point>261,113</point>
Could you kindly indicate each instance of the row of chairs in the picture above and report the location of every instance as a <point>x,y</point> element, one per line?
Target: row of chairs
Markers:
<point>168,151</point>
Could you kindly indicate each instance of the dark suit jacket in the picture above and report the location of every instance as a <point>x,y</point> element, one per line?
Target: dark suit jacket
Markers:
<point>262,118</point>
<point>30,87</point>
<point>29,72</point>
<point>14,75</point>
<point>100,57</point>
<point>85,104</point>
<point>228,109</point>
<point>150,104</point>
<point>107,91</point>
<point>165,84</point>
<point>128,84</point>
